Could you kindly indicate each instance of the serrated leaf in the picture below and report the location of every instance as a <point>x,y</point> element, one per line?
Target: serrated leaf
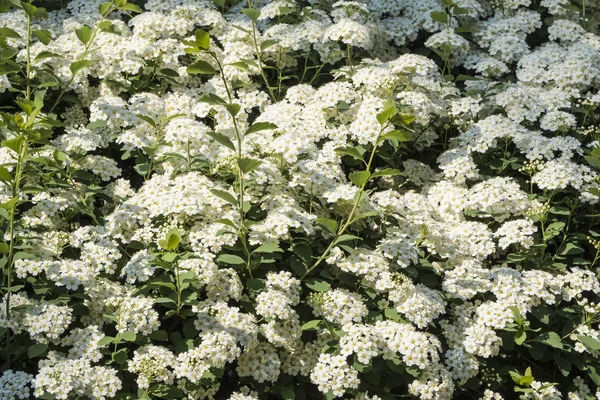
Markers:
<point>84,34</point>
<point>329,224</point>
<point>360,178</point>
<point>260,126</point>
<point>396,134</point>
<point>551,339</point>
<point>231,259</point>
<point>77,66</point>
<point>222,139</point>
<point>350,151</point>
<point>318,285</point>
<point>248,164</point>
<point>228,197</point>
<point>312,325</point>
<point>201,67</point>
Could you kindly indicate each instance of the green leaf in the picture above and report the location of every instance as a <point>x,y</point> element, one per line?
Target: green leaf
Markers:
<point>248,165</point>
<point>231,259</point>
<point>36,350</point>
<point>589,342</point>
<point>97,124</point>
<point>9,33</point>
<point>77,66</point>
<point>107,26</point>
<point>553,229</point>
<point>5,174</point>
<point>350,151</point>
<point>386,172</point>
<point>128,336</point>
<point>312,325</point>
<point>388,112</point>
<point>260,126</point>
<point>520,336</point>
<point>106,340</point>
<point>346,238</point>
<point>233,109</point>
<point>255,285</point>
<point>360,178</point>
<point>202,39</point>
<point>288,393</point>
<point>14,144</point>
<point>551,339</point>
<point>404,119</point>
<point>439,16</point>
<point>213,99</point>
<point>396,134</point>
<point>147,119</point>
<point>104,7</point>
<point>329,224</point>
<point>201,67</point>
<point>571,248</point>
<point>131,7</point>
<point>222,139</point>
<point>317,285</point>
<point>392,313</point>
<point>268,248</point>
<point>171,241</point>
<point>228,197</point>
<point>159,335</point>
<point>45,54</point>
<point>84,34</point>
<point>595,161</point>
<point>251,13</point>
<point>268,43</point>
<point>120,357</point>
<point>43,36</point>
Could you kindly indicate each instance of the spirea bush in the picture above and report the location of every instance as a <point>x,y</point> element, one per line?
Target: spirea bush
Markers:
<point>300,199</point>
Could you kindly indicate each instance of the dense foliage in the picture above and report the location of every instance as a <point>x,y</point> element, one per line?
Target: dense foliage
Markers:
<point>300,199</point>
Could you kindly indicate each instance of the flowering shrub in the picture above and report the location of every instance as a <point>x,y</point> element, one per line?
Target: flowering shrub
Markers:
<point>300,199</point>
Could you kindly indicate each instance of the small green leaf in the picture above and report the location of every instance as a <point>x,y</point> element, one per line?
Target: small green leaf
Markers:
<point>228,197</point>
<point>329,224</point>
<point>288,393</point>
<point>317,285</point>
<point>213,99</point>
<point>36,350</point>
<point>386,172</point>
<point>5,174</point>
<point>130,7</point>
<point>202,39</point>
<point>268,248</point>
<point>396,134</point>
<point>350,151</point>
<point>520,336</point>
<point>201,67</point>
<point>312,325</point>
<point>45,54</point>
<point>233,109</point>
<point>231,259</point>
<point>84,34</point>
<point>589,342</point>
<point>222,139</point>
<point>388,112</point>
<point>77,66</point>
<point>260,126</point>
<point>43,36</point>
<point>360,178</point>
<point>159,335</point>
<point>106,340</point>
<point>9,33</point>
<point>248,165</point>
<point>251,13</point>
<point>120,357</point>
<point>551,339</point>
<point>439,16</point>
<point>392,313</point>
<point>553,229</point>
<point>255,285</point>
<point>104,7</point>
<point>128,336</point>
<point>346,238</point>
<point>268,43</point>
